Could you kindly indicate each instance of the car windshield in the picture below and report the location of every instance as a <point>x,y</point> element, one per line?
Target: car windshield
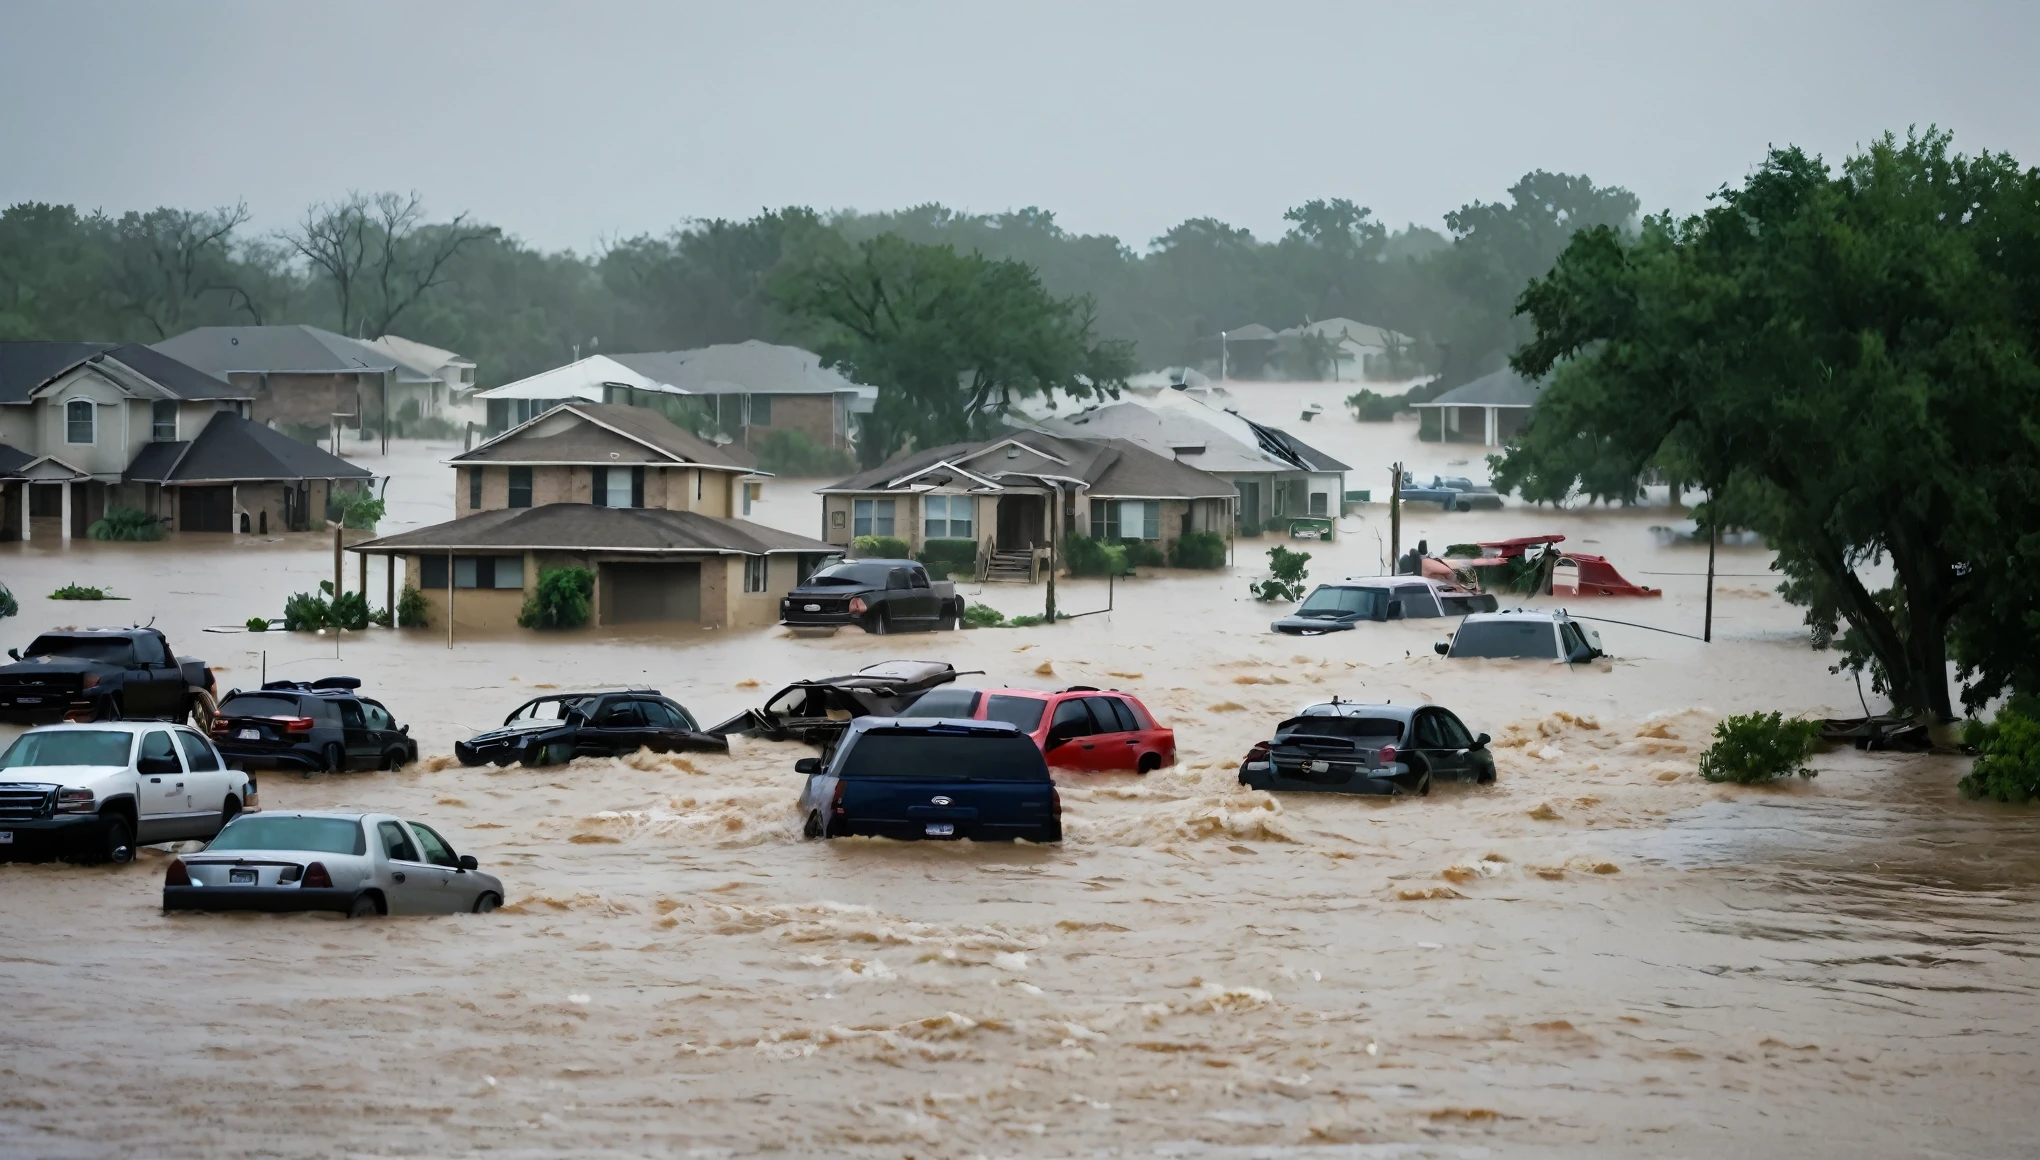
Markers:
<point>955,703</point>
<point>1328,601</point>
<point>852,575</point>
<point>68,747</point>
<point>116,650</point>
<point>274,832</point>
<point>1022,711</point>
<point>260,706</point>
<point>1380,728</point>
<point>1506,638</point>
<point>550,709</point>
<point>945,757</point>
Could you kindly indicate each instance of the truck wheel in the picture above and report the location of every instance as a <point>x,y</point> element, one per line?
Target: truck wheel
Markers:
<point>114,843</point>
<point>1424,786</point>
<point>201,709</point>
<point>336,758</point>
<point>879,624</point>
<point>229,810</point>
<point>952,618</point>
<point>813,828</point>
<point>487,902</point>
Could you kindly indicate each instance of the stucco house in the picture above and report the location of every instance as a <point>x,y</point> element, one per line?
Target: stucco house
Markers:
<point>1490,410</point>
<point>649,508</point>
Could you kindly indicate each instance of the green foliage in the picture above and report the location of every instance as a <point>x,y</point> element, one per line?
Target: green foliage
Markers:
<point>126,524</point>
<point>878,547</point>
<point>349,610</point>
<point>983,616</point>
<point>382,618</point>
<point>9,606</point>
<point>83,592</point>
<point>1755,748</point>
<point>304,612</point>
<point>1084,556</point>
<point>2008,763</point>
<point>1027,621</point>
<point>258,624</point>
<point>561,599</point>
<point>1846,361</point>
<point>1247,528</point>
<point>1461,552</point>
<point>787,452</point>
<point>411,608</point>
<point>1286,576</point>
<point>1198,550</point>
<point>1372,407</point>
<point>360,510</point>
<point>944,557</point>
<point>1143,553</point>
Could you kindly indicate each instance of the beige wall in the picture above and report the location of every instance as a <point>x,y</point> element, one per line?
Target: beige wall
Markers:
<point>311,400</point>
<point>812,415</point>
<point>672,488</point>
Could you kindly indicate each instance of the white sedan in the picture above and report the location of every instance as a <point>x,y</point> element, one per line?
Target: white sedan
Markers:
<point>352,864</point>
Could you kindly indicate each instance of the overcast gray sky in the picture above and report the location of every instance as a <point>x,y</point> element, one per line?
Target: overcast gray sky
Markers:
<point>569,123</point>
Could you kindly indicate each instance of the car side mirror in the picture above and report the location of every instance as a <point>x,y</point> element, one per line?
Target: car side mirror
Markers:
<point>467,862</point>
<point>1442,648</point>
<point>1481,742</point>
<point>808,765</point>
<point>156,766</point>
<point>15,653</point>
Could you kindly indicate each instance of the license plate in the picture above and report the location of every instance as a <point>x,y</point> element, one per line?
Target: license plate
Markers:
<point>1318,766</point>
<point>6,837</point>
<point>810,608</point>
<point>941,829</point>
<point>29,700</point>
<point>250,735</point>
<point>240,878</point>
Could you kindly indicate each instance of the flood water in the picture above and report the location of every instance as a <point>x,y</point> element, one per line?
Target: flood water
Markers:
<point>1600,955</point>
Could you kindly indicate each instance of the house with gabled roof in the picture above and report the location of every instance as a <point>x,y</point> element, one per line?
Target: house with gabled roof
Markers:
<point>648,507</point>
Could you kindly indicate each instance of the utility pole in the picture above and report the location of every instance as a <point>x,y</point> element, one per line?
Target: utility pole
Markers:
<point>1713,537</point>
<point>1054,513</point>
<point>1221,356</point>
<point>339,586</point>
<point>1394,516</point>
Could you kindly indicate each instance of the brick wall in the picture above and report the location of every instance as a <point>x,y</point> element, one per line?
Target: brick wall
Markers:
<point>812,415</point>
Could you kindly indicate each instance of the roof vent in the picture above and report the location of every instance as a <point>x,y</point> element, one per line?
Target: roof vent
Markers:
<point>1012,453</point>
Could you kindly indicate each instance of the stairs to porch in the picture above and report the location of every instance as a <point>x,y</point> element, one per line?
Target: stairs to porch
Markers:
<point>1015,567</point>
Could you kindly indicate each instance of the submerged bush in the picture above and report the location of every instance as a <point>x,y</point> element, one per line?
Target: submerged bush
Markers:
<point>943,557</point>
<point>9,606</point>
<point>983,616</point>
<point>126,524</point>
<point>880,547</point>
<point>1198,550</point>
<point>1286,576</point>
<point>82,592</point>
<point>1084,556</point>
<point>304,612</point>
<point>2008,763</point>
<point>411,608</point>
<point>1755,748</point>
<point>1373,407</point>
<point>258,624</point>
<point>561,599</point>
<point>349,610</point>
<point>1143,554</point>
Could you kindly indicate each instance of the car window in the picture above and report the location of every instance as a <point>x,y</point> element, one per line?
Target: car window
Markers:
<point>1427,733</point>
<point>351,715</point>
<point>850,575</point>
<point>1328,601</point>
<point>896,578</point>
<point>1371,728</point>
<point>1022,711</point>
<point>437,851</point>
<point>264,705</point>
<point>114,650</point>
<point>274,832</point>
<point>917,578</point>
<point>198,756</point>
<point>1416,600</point>
<point>982,757</point>
<point>1072,719</point>
<point>396,844</point>
<point>660,716</point>
<point>681,715</point>
<point>1134,716</point>
<point>1456,736</point>
<point>1506,638</point>
<point>156,743</point>
<point>1575,641</point>
<point>621,715</point>
<point>1112,715</point>
<point>69,747</point>
<point>149,650</point>
<point>378,717</point>
<point>951,702</point>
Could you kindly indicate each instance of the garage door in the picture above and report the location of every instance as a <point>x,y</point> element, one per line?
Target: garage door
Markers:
<point>635,593</point>
<point>205,509</point>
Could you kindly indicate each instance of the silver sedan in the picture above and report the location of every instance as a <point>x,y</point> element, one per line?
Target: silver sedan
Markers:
<point>352,864</point>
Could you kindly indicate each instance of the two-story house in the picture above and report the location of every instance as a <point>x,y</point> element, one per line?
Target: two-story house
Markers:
<point>90,426</point>
<point>649,508</point>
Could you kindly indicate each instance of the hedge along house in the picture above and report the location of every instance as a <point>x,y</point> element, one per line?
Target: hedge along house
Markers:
<point>1490,410</point>
<point>999,494</point>
<point>646,506</point>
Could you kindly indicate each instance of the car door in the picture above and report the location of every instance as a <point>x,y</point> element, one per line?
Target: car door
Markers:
<point>155,687</point>
<point>356,736</point>
<point>207,780</point>
<point>383,728</point>
<point>1417,601</point>
<point>1116,745</point>
<point>453,891</point>
<point>163,812</point>
<point>410,885</point>
<point>618,728</point>
<point>1445,762</point>
<point>925,604</point>
<point>1072,733</point>
<point>1475,764</point>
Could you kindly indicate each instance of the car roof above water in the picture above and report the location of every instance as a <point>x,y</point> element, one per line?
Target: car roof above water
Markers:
<point>1360,709</point>
<point>115,726</point>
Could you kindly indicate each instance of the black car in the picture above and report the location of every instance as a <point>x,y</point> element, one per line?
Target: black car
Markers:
<point>1347,747</point>
<point>557,728</point>
<point>102,674</point>
<point>924,777</point>
<point>879,596</point>
<point>1338,606</point>
<point>818,711</point>
<point>317,726</point>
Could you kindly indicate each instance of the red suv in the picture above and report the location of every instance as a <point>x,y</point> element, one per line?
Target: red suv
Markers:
<point>1077,728</point>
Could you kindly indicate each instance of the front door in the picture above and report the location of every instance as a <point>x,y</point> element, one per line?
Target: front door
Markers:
<point>207,779</point>
<point>1019,522</point>
<point>621,728</point>
<point>1116,745</point>
<point>163,804</point>
<point>363,750</point>
<point>413,885</point>
<point>1445,760</point>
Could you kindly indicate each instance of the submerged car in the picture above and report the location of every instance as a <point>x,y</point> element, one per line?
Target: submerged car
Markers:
<point>311,726</point>
<point>1338,606</point>
<point>1451,492</point>
<point>1081,727</point>
<point>93,793</point>
<point>818,711</point>
<point>103,674</point>
<point>351,864</point>
<point>555,729</point>
<point>918,777</point>
<point>1526,634</point>
<point>1348,747</point>
<point>1536,566</point>
<point>880,596</point>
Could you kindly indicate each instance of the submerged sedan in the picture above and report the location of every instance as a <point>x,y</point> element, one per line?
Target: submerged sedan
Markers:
<point>351,864</point>
<point>1338,606</point>
<point>1347,747</point>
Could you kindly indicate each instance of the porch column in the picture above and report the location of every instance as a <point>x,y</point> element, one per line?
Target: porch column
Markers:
<point>66,493</point>
<point>1488,436</point>
<point>25,487</point>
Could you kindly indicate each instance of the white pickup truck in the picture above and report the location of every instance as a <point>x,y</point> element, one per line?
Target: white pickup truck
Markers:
<point>93,792</point>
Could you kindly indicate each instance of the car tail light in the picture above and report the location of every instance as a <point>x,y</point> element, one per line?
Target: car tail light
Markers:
<point>296,724</point>
<point>74,801</point>
<point>1385,756</point>
<point>316,877</point>
<point>177,874</point>
<point>857,606</point>
<point>836,801</point>
<point>219,726</point>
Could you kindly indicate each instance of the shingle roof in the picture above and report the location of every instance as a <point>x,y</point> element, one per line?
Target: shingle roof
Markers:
<point>1136,472</point>
<point>24,366</point>
<point>1503,388</point>
<point>1282,443</point>
<point>1107,467</point>
<point>232,449</point>
<point>579,527</point>
<point>179,378</point>
<point>13,458</point>
<point>751,367</point>
<point>296,349</point>
<point>1171,431</point>
<point>155,462</point>
<point>641,425</point>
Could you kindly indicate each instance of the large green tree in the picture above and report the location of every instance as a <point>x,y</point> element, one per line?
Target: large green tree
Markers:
<point>1846,359</point>
<point>953,342</point>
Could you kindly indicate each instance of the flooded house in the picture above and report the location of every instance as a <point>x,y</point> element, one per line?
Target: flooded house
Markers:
<point>1489,411</point>
<point>87,427</point>
<point>648,507</point>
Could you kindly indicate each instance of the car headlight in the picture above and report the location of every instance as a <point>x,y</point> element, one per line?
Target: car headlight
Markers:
<point>71,800</point>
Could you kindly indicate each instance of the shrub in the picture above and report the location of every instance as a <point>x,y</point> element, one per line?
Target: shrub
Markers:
<point>882,547</point>
<point>9,606</point>
<point>1461,552</point>
<point>1028,621</point>
<point>82,592</point>
<point>1286,576</point>
<point>304,612</point>
<point>560,600</point>
<point>411,608</point>
<point>1084,556</point>
<point>943,557</point>
<point>1372,406</point>
<point>360,510</point>
<point>381,618</point>
<point>793,453</point>
<point>126,524</point>
<point>1247,529</point>
<point>1198,550</point>
<point>258,624</point>
<point>983,616</point>
<point>1755,748</point>
<point>1143,554</point>
<point>2008,765</point>
<point>349,610</point>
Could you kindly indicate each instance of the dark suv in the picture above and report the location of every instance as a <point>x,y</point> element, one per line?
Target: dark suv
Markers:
<point>316,726</point>
<point>556,729</point>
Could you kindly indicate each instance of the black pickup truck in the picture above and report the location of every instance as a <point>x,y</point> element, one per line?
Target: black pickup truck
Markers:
<point>880,596</point>
<point>103,674</point>
<point>923,777</point>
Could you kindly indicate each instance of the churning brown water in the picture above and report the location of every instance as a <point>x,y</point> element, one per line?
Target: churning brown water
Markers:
<point>1599,955</point>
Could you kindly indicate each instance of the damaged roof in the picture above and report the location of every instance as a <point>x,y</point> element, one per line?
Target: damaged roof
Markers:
<point>580,527</point>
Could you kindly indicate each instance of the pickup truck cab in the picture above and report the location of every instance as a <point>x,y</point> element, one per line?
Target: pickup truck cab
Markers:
<point>103,674</point>
<point>924,777</point>
<point>879,596</point>
<point>94,792</point>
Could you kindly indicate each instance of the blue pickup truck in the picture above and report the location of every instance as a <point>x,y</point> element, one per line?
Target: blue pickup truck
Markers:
<point>928,777</point>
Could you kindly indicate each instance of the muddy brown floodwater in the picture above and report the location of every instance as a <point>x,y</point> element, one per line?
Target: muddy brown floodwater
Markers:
<point>1600,955</point>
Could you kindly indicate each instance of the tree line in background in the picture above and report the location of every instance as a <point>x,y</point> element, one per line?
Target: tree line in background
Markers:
<point>367,264</point>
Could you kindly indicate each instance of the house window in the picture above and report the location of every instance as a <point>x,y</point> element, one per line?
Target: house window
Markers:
<point>163,420</point>
<point>948,517</point>
<point>872,517</point>
<point>475,488</point>
<point>761,410</point>
<point>619,487</point>
<point>80,422</point>
<point>486,571</point>
<point>520,487</point>
<point>1320,503</point>
<point>754,573</point>
<point>1126,519</point>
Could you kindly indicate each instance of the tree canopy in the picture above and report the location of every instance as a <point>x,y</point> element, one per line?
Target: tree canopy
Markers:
<point>1846,361</point>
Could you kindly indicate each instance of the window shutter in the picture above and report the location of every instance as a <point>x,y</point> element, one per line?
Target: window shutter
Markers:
<point>637,487</point>
<point>598,490</point>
